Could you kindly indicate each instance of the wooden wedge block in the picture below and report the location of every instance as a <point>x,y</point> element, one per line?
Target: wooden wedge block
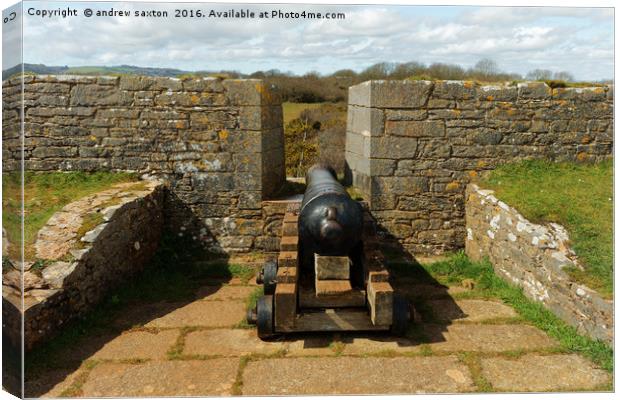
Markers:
<point>332,287</point>
<point>309,299</point>
<point>380,302</point>
<point>289,229</point>
<point>336,320</point>
<point>331,267</point>
<point>286,275</point>
<point>290,217</point>
<point>289,243</point>
<point>287,259</point>
<point>378,276</point>
<point>285,306</point>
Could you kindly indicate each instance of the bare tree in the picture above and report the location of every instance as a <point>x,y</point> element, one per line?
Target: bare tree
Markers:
<point>486,66</point>
<point>539,75</point>
<point>563,76</point>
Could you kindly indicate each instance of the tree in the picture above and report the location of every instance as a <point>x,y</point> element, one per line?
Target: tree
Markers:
<point>539,75</point>
<point>563,76</point>
<point>486,66</point>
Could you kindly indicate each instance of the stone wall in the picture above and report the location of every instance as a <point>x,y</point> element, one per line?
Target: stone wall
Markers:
<point>81,270</point>
<point>533,257</point>
<point>218,143</point>
<point>412,146</point>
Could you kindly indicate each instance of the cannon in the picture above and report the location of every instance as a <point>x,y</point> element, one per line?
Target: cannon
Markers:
<point>330,274</point>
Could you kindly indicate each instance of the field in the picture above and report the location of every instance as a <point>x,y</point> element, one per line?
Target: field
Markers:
<point>44,194</point>
<point>577,196</point>
<point>292,110</point>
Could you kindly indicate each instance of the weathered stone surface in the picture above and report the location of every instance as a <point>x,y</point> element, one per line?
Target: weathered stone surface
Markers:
<point>534,257</point>
<point>379,343</point>
<point>202,313</point>
<point>66,289</point>
<point>469,310</point>
<point>228,342</point>
<point>365,121</point>
<point>225,292</point>
<point>162,378</point>
<point>310,345</point>
<point>453,133</point>
<point>556,372</point>
<point>345,375</point>
<point>466,337</point>
<point>138,345</point>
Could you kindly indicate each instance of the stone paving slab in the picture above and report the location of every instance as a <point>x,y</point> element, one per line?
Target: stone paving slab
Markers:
<point>469,310</point>
<point>162,378</point>
<point>426,291</point>
<point>310,345</point>
<point>354,375</point>
<point>138,344</point>
<point>377,343</point>
<point>487,338</point>
<point>536,373</point>
<point>202,313</point>
<point>225,292</point>
<point>228,342</point>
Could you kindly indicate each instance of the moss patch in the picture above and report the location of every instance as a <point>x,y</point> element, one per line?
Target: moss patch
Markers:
<point>44,194</point>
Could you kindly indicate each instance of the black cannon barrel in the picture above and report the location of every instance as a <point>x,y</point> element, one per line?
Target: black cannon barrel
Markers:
<point>330,222</point>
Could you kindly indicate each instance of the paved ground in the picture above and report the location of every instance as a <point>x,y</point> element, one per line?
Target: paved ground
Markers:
<point>199,348</point>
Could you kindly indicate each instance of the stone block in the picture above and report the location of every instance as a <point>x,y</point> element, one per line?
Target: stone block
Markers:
<point>381,167</point>
<point>96,95</point>
<point>497,93</point>
<point>534,90</point>
<point>365,121</point>
<point>393,147</point>
<point>390,94</point>
<point>454,90</point>
<point>399,185</point>
<point>416,129</point>
<point>331,267</point>
<point>406,115</point>
<point>250,92</point>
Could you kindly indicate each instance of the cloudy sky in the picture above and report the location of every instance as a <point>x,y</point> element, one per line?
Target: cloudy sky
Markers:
<point>577,40</point>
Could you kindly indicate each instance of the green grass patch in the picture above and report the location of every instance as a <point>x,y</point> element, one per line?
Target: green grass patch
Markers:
<point>290,111</point>
<point>44,194</point>
<point>577,196</point>
<point>458,267</point>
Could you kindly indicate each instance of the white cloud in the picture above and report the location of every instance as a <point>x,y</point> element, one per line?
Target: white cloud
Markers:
<point>579,40</point>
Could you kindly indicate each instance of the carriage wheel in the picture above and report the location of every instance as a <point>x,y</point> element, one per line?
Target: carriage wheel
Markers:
<point>264,317</point>
<point>270,272</point>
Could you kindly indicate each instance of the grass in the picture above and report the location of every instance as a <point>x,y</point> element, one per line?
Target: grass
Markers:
<point>291,111</point>
<point>458,267</point>
<point>45,194</point>
<point>577,196</point>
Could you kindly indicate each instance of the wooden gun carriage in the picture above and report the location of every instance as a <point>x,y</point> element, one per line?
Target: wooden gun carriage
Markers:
<point>329,274</point>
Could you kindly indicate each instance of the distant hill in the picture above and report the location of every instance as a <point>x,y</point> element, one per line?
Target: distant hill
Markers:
<point>93,70</point>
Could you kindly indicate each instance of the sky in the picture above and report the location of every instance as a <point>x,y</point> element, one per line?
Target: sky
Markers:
<point>518,39</point>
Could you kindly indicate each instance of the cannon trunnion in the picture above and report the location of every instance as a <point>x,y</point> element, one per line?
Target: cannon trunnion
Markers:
<point>329,274</point>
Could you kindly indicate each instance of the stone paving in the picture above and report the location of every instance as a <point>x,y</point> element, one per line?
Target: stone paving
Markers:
<point>202,348</point>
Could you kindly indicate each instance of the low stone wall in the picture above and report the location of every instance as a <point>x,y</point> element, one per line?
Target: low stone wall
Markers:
<point>533,257</point>
<point>218,143</point>
<point>412,146</point>
<point>79,271</point>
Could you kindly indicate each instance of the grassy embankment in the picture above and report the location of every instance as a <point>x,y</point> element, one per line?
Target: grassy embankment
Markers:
<point>577,196</point>
<point>44,194</point>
